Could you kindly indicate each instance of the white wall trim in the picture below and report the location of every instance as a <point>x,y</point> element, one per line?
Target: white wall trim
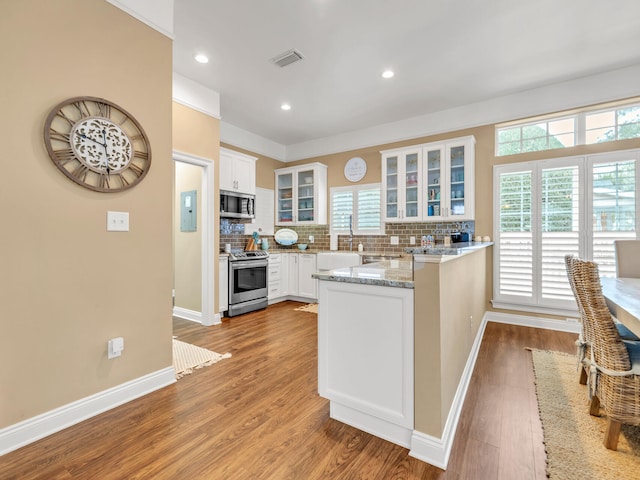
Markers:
<point>158,14</point>
<point>40,426</point>
<point>195,96</point>
<point>250,141</point>
<point>436,451</point>
<point>209,284</point>
<point>569,325</point>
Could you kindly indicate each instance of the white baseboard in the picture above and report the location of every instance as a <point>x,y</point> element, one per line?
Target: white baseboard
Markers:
<point>197,317</point>
<point>535,322</point>
<point>436,451</point>
<point>371,424</point>
<point>40,426</point>
<point>187,314</point>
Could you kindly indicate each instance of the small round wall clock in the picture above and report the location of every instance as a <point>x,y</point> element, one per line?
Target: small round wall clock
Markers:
<point>97,144</point>
<point>355,169</point>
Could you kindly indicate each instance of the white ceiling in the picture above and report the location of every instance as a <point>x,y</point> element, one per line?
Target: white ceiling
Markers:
<point>445,54</point>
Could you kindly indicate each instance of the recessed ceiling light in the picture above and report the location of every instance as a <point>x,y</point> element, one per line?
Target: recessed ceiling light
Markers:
<point>200,58</point>
<point>285,106</point>
<point>387,74</point>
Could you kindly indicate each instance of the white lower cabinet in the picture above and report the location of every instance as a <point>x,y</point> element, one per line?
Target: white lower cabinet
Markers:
<point>284,274</point>
<point>307,285</point>
<point>290,276</point>
<point>279,274</point>
<point>275,289</point>
<point>223,284</point>
<point>293,274</point>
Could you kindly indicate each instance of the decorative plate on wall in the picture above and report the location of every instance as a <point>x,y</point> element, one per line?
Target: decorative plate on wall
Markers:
<point>286,236</point>
<point>355,169</point>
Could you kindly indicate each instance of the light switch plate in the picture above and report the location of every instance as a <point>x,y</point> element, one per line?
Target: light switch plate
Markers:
<point>117,221</point>
<point>115,347</point>
<point>394,240</point>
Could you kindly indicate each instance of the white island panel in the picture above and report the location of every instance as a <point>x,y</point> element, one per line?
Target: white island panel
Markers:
<point>365,355</point>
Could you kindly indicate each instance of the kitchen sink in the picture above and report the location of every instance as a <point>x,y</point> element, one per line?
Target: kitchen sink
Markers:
<point>331,260</point>
<point>380,258</point>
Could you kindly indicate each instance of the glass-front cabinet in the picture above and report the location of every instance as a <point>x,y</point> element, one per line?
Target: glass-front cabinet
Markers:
<point>449,180</point>
<point>430,182</point>
<point>301,195</point>
<point>401,185</point>
<point>433,180</point>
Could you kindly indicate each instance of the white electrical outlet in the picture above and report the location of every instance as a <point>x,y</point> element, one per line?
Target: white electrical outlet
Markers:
<point>412,240</point>
<point>311,239</point>
<point>394,240</point>
<point>117,221</point>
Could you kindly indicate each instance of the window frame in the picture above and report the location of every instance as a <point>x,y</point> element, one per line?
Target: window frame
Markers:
<point>355,189</point>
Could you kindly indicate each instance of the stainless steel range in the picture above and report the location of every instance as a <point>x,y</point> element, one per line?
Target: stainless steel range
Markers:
<point>247,281</point>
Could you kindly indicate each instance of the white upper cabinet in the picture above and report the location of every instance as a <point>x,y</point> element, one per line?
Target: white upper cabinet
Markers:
<point>301,195</point>
<point>430,182</point>
<point>449,180</point>
<point>237,172</point>
<point>402,184</point>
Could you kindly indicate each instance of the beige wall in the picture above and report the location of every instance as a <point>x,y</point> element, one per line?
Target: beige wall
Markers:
<point>187,246</point>
<point>449,306</point>
<point>68,285</point>
<point>198,134</point>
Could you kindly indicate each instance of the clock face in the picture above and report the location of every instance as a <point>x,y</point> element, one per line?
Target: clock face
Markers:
<point>97,144</point>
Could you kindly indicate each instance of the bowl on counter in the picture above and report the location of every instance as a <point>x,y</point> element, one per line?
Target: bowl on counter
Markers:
<point>302,246</point>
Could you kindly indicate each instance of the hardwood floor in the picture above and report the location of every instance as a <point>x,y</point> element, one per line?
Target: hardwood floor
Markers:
<point>257,415</point>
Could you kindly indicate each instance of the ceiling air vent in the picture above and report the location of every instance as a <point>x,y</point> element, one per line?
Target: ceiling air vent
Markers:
<point>287,58</point>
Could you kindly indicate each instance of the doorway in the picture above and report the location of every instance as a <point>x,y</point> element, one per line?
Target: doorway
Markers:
<point>194,280</point>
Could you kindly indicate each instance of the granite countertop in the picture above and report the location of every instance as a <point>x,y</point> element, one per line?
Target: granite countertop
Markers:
<point>453,249</point>
<point>387,273</point>
<point>319,250</point>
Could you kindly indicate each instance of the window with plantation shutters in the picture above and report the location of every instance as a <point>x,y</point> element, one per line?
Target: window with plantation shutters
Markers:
<point>516,238</point>
<point>547,209</point>
<point>358,204</point>
<point>559,231</point>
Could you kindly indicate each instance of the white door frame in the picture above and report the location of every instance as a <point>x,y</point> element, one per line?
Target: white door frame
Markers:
<point>207,316</point>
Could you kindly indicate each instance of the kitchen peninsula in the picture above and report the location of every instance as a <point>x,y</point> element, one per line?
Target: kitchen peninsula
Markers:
<point>397,342</point>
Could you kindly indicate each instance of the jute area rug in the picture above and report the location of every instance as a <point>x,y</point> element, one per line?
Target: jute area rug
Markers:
<point>310,307</point>
<point>187,357</point>
<point>573,438</point>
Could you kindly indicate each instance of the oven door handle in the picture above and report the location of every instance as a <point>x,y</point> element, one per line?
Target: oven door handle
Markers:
<point>240,264</point>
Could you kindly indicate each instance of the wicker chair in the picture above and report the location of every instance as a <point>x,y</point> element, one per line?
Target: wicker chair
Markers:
<point>586,333</point>
<point>584,339</point>
<point>614,364</point>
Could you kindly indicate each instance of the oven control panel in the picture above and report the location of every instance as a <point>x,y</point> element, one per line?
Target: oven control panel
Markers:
<point>250,255</point>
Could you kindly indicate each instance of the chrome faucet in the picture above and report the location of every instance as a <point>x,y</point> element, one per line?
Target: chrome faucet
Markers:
<point>350,232</point>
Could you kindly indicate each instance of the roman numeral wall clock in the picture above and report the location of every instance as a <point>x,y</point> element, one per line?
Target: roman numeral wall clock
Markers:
<point>97,144</point>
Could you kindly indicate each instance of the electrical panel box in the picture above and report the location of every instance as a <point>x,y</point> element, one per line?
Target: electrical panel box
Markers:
<point>188,211</point>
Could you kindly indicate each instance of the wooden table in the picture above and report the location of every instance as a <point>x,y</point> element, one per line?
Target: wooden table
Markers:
<point>623,299</point>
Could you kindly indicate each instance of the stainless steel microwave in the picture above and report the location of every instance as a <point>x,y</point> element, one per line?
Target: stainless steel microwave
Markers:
<point>237,205</point>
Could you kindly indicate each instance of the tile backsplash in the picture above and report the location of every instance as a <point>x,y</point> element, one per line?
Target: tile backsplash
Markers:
<point>233,232</point>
